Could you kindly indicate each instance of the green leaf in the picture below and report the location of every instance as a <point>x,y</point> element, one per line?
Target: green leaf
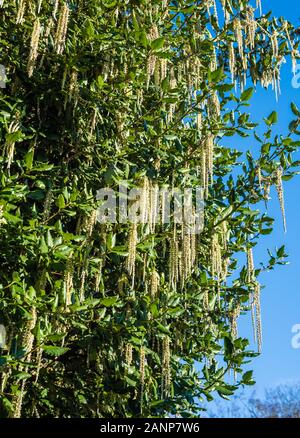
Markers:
<point>247,94</point>
<point>295,110</point>
<point>22,376</point>
<point>54,351</point>
<point>157,44</point>
<point>109,302</point>
<point>29,158</point>
<point>272,119</point>
<point>61,201</point>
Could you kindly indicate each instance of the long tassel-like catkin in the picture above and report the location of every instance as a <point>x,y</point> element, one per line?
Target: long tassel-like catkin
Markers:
<point>62,29</point>
<point>132,242</point>
<point>279,187</point>
<point>27,344</point>
<point>142,375</point>
<point>34,47</point>
<point>250,266</point>
<point>166,370</point>
<point>21,11</point>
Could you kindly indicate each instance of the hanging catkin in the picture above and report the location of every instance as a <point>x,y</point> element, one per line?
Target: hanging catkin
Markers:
<point>216,13</point>
<point>151,62</point>
<point>55,8</point>
<point>21,11</point>
<point>232,62</point>
<point>142,374</point>
<point>128,354</point>
<point>258,6</point>
<point>250,27</point>
<point>62,29</point>
<point>27,344</point>
<point>2,219</point>
<point>132,242</point>
<point>279,187</point>
<point>207,162</point>
<point>238,30</point>
<point>90,223</point>
<point>234,318</point>
<point>259,177</point>
<point>250,266</point>
<point>154,284</point>
<point>10,144</point>
<point>274,42</point>
<point>216,258</point>
<point>46,35</point>
<point>214,109</point>
<point>39,6</point>
<point>153,207</point>
<point>258,325</point>
<point>82,285</point>
<point>186,256</point>
<point>68,281</point>
<point>34,47</point>
<point>173,260</point>
<point>166,370</point>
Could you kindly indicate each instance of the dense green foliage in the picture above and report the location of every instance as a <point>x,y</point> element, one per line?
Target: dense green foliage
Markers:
<point>137,89</point>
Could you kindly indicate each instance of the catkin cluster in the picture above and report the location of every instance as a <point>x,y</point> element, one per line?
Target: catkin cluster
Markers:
<point>166,370</point>
<point>34,47</point>
<point>62,29</point>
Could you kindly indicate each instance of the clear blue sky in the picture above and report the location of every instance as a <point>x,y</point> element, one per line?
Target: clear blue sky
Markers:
<point>279,362</point>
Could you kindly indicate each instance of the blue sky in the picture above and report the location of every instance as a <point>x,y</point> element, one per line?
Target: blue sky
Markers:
<point>279,362</point>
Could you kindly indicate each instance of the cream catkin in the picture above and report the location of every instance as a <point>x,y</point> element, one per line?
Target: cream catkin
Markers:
<point>207,162</point>
<point>132,243</point>
<point>274,42</point>
<point>256,300</point>
<point>153,207</point>
<point>82,285</point>
<point>279,187</point>
<point>62,29</point>
<point>38,361</point>
<point>68,281</point>
<point>250,266</point>
<point>151,62</point>
<point>46,35</point>
<point>234,318</point>
<point>258,6</point>
<point>250,27</point>
<point>2,219</point>
<point>232,62</point>
<point>27,344</point>
<point>55,8</point>
<point>216,258</point>
<point>142,374</point>
<point>154,284</point>
<point>34,46</point>
<point>259,177</point>
<point>21,11</point>
<point>238,30</point>
<point>128,354</point>
<point>166,369</point>
<point>173,260</point>
<point>10,144</point>
<point>90,223</point>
